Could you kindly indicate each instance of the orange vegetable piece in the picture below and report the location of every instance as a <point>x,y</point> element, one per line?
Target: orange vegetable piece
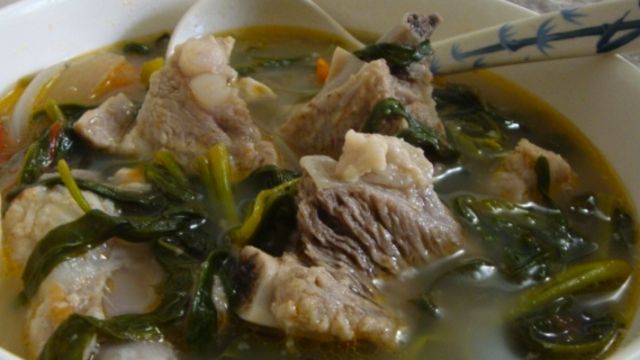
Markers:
<point>322,70</point>
<point>122,75</point>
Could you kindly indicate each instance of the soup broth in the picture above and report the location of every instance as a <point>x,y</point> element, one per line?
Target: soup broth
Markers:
<point>460,307</point>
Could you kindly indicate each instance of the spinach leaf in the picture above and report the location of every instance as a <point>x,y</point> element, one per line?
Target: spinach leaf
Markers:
<point>455,99</point>
<point>586,276</point>
<point>476,129</point>
<point>605,220</point>
<point>435,147</point>
<point>397,56</point>
<point>168,183</point>
<point>57,141</point>
<point>136,48</point>
<point>278,224</point>
<point>71,338</point>
<point>523,239</point>
<point>263,178</point>
<point>202,318</point>
<point>258,214</point>
<point>563,330</point>
<point>262,63</point>
<point>149,200</point>
<point>91,230</point>
<point>65,242</point>
<point>215,173</point>
<point>543,178</point>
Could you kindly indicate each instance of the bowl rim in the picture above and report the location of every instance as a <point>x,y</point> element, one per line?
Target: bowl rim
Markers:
<point>22,7</point>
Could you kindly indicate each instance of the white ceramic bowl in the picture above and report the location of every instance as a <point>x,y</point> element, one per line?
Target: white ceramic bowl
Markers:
<point>600,95</point>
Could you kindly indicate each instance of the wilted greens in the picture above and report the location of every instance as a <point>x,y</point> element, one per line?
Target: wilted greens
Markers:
<point>435,146</point>
<point>397,56</point>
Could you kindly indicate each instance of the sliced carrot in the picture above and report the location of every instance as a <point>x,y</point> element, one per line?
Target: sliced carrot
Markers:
<point>54,134</point>
<point>322,70</point>
<point>121,76</point>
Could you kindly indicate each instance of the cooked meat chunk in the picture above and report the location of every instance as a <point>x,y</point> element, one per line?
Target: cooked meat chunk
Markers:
<point>516,180</point>
<point>35,212</point>
<point>385,220</point>
<point>106,126</point>
<point>191,106</point>
<point>354,87</point>
<point>370,215</point>
<point>113,279</point>
<point>309,301</point>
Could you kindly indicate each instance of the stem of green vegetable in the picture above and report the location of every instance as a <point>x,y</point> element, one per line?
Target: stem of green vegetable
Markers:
<point>220,172</point>
<point>54,112</point>
<point>70,183</point>
<point>574,279</point>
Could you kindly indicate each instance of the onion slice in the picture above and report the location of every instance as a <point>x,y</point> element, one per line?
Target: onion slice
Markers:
<point>22,113</point>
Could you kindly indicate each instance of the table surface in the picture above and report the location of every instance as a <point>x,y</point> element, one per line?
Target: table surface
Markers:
<point>537,5</point>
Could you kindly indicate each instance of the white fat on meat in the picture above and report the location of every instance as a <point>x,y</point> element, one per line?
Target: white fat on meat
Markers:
<point>113,279</point>
<point>388,160</point>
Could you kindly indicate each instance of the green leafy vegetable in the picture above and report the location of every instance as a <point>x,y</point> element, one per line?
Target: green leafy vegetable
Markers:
<point>263,203</point>
<point>71,338</point>
<point>543,178</point>
<point>523,239</point>
<point>563,330</point>
<point>54,112</point>
<point>435,147</point>
<point>136,48</point>
<point>65,242</point>
<point>56,142</point>
<point>263,178</point>
<point>202,318</point>
<point>91,230</point>
<point>605,273</point>
<point>215,172</point>
<point>475,128</point>
<point>69,182</point>
<point>605,219</point>
<point>150,199</point>
<point>262,63</point>
<point>166,175</point>
<point>454,99</point>
<point>546,319</point>
<point>397,56</point>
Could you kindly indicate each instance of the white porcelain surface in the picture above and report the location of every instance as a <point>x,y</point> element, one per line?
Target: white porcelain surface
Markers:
<point>599,94</point>
<point>586,31</point>
<point>209,16</point>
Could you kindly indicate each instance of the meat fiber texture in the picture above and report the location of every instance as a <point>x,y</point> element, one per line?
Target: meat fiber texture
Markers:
<point>193,103</point>
<point>371,215</point>
<point>354,87</point>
